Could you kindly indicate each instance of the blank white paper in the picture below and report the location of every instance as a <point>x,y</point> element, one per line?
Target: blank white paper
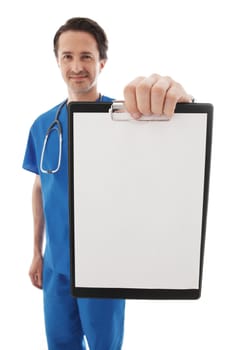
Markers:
<point>138,200</point>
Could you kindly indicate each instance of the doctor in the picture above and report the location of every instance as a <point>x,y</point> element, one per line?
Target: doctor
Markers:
<point>80,47</point>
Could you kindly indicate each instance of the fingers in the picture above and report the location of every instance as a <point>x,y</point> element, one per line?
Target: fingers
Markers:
<point>131,97</point>
<point>154,95</point>
<point>36,279</point>
<point>35,272</point>
<point>174,94</point>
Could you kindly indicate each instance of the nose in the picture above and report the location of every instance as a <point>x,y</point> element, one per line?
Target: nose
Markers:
<point>77,65</point>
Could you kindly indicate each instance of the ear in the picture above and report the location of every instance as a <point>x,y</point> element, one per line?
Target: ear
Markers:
<point>58,62</point>
<point>102,64</point>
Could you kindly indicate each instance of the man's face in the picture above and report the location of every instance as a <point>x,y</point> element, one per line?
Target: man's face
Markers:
<point>78,59</point>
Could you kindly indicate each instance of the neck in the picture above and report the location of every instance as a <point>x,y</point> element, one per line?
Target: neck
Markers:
<point>90,96</point>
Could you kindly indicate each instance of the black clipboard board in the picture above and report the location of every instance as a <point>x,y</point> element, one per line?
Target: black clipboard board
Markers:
<point>117,251</point>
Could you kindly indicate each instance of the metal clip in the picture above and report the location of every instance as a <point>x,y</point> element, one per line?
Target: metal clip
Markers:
<point>118,112</point>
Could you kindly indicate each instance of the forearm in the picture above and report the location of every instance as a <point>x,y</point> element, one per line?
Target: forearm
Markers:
<point>38,217</point>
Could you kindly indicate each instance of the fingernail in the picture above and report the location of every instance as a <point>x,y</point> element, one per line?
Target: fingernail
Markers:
<point>136,115</point>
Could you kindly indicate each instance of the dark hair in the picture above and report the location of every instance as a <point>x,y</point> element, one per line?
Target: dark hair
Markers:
<point>84,25</point>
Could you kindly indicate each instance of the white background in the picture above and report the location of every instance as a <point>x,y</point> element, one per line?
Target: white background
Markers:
<point>188,40</point>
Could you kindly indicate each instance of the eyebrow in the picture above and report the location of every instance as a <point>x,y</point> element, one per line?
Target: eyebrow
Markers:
<point>81,53</point>
<point>66,52</point>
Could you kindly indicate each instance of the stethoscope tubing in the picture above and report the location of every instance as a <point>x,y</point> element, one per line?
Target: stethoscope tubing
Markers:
<point>56,125</point>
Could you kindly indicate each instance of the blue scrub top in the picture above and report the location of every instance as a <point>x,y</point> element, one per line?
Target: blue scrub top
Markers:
<point>54,186</point>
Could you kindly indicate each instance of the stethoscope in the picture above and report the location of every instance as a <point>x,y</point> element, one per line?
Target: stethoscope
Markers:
<point>56,126</point>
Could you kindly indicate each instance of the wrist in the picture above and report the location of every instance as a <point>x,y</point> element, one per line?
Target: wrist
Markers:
<point>37,254</point>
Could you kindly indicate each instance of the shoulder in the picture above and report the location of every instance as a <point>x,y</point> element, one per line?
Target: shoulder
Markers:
<point>46,116</point>
<point>45,119</point>
<point>107,99</point>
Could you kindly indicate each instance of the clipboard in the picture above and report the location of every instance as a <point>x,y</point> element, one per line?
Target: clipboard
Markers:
<point>138,198</point>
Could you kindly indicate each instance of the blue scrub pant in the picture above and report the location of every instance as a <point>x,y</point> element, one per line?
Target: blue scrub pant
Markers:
<point>67,319</point>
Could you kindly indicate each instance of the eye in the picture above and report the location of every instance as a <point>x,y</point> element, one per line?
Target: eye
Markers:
<point>86,57</point>
<point>67,57</point>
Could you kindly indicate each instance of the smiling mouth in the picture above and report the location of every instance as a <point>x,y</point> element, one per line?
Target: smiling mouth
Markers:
<point>78,77</point>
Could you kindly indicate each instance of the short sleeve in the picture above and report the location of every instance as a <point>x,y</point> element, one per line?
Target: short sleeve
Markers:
<point>30,161</point>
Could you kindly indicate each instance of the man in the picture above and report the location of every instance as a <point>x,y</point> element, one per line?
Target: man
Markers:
<point>80,47</point>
